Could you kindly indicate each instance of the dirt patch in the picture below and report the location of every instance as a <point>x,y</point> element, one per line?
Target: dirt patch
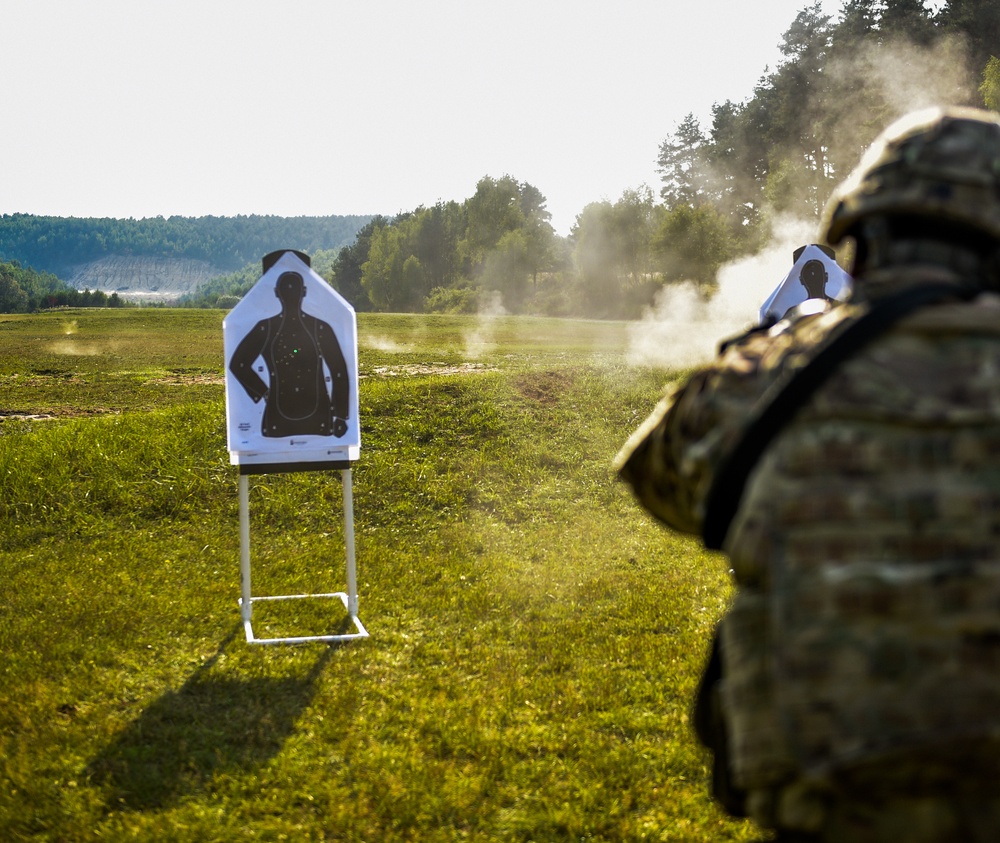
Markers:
<point>188,380</point>
<point>201,379</point>
<point>411,369</point>
<point>61,413</point>
<point>5,416</point>
<point>404,370</point>
<point>544,387</point>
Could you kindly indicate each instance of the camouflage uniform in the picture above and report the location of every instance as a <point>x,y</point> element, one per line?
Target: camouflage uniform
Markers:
<point>861,654</point>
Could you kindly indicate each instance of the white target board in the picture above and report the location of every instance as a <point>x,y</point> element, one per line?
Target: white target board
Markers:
<point>291,355</point>
<point>815,274</point>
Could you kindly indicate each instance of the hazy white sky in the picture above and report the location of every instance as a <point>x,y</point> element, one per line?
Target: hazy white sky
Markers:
<point>122,108</point>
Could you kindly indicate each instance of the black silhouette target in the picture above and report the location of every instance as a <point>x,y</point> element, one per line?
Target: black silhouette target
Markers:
<point>291,352</point>
<point>307,388</point>
<point>815,274</point>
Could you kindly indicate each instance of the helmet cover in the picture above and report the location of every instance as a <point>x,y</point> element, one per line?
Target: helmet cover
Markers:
<point>937,163</point>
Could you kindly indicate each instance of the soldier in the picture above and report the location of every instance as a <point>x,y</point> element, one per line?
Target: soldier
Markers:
<point>848,464</point>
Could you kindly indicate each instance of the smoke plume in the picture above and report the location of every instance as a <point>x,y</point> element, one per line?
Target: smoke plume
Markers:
<point>480,340</point>
<point>882,82</point>
<point>682,328</point>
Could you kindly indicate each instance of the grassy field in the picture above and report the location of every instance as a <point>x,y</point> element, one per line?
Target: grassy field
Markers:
<point>535,639</point>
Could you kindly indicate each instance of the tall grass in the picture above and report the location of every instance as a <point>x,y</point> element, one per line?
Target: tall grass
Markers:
<point>535,640</point>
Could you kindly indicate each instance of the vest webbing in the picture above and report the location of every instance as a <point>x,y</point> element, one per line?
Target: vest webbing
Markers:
<point>783,399</point>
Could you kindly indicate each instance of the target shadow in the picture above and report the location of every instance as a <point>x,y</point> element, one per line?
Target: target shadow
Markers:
<point>212,725</point>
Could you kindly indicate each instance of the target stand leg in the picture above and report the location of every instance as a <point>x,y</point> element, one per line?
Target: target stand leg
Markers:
<point>348,598</point>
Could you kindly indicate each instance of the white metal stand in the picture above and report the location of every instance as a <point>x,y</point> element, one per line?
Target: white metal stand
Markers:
<point>349,599</point>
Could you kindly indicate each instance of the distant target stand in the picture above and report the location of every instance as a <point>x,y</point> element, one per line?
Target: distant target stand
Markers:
<point>291,350</point>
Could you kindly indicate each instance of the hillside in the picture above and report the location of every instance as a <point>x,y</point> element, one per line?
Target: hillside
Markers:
<point>161,259</point>
<point>145,279</point>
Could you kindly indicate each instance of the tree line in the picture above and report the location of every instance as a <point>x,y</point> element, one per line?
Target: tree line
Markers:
<point>24,290</point>
<point>722,187</point>
<point>497,249</point>
<point>57,244</point>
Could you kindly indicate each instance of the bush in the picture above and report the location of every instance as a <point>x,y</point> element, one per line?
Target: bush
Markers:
<point>452,300</point>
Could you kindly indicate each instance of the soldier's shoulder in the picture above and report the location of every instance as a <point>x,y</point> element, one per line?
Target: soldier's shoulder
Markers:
<point>769,349</point>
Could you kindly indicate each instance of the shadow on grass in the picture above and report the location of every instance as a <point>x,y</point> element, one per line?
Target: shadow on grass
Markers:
<point>213,724</point>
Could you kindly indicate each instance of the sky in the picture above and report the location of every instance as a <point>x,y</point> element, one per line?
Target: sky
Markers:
<point>118,108</point>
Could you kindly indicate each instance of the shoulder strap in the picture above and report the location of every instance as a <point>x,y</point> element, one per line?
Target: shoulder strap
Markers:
<point>788,395</point>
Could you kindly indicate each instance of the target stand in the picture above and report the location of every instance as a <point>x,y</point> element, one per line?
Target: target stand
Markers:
<point>348,598</point>
<point>291,352</point>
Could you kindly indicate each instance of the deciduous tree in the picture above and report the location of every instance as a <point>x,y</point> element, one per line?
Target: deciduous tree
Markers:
<point>692,244</point>
<point>989,90</point>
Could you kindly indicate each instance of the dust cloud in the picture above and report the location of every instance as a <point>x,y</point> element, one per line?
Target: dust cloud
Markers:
<point>382,343</point>
<point>68,348</point>
<point>683,328</point>
<point>480,340</point>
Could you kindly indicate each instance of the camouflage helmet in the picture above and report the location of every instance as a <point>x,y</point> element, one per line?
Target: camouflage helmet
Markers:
<point>938,163</point>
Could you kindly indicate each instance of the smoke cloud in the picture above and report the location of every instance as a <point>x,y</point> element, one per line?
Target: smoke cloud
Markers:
<point>480,340</point>
<point>683,329</point>
<point>885,82</point>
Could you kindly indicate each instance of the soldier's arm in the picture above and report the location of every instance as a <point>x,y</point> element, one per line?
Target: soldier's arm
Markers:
<point>670,461</point>
<point>652,463</point>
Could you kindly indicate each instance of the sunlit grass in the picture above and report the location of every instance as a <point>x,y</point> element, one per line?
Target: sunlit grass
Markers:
<point>535,640</point>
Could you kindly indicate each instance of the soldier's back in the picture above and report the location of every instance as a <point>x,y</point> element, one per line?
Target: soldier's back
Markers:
<point>863,647</point>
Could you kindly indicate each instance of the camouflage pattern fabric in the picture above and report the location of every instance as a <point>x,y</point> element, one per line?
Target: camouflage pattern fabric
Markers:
<point>865,633</point>
<point>917,800</point>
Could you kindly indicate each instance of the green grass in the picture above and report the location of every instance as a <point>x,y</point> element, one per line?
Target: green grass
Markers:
<point>535,639</point>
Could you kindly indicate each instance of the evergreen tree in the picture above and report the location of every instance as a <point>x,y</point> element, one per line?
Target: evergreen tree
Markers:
<point>681,165</point>
<point>909,19</point>
<point>977,22</point>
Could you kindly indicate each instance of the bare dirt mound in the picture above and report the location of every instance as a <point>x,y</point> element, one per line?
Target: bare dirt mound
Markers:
<point>142,278</point>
